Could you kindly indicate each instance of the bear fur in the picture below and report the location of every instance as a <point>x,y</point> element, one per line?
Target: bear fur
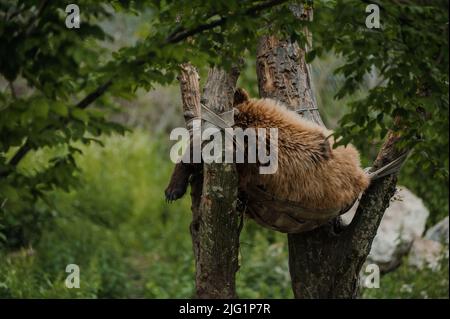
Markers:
<point>310,171</point>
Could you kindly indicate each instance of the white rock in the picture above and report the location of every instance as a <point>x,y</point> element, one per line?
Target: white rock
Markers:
<point>403,221</point>
<point>425,253</point>
<point>439,232</point>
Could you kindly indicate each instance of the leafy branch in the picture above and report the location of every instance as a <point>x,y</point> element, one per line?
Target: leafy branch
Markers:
<point>176,36</point>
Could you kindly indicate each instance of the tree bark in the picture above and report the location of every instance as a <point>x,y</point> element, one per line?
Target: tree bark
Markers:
<point>190,97</point>
<point>216,222</point>
<point>283,75</point>
<point>325,262</point>
<point>218,232</point>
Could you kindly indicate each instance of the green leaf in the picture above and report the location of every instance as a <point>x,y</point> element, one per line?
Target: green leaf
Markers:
<point>96,113</point>
<point>40,108</point>
<point>80,115</point>
<point>60,109</point>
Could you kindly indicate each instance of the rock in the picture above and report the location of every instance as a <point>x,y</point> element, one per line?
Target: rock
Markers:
<point>439,232</point>
<point>403,221</point>
<point>425,253</point>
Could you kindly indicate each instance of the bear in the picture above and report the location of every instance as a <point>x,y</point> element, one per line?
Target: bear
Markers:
<point>311,172</point>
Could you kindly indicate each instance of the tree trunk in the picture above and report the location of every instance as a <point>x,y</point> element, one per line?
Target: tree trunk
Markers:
<point>325,262</point>
<point>190,97</point>
<point>216,223</point>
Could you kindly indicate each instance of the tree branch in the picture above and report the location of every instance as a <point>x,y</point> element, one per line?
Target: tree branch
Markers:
<point>190,91</point>
<point>27,146</point>
<point>33,20</point>
<point>181,35</point>
<point>190,97</point>
<point>90,98</point>
<point>375,200</point>
<point>173,38</point>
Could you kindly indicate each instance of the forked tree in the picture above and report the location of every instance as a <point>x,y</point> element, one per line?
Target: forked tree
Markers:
<point>324,262</point>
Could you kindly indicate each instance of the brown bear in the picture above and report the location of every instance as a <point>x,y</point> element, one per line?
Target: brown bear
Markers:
<point>310,171</point>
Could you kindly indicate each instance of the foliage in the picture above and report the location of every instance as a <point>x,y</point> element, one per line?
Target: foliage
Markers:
<point>410,283</point>
<point>103,234</point>
<point>125,239</point>
<point>57,66</point>
<point>129,243</point>
<point>63,198</point>
<point>409,57</point>
<point>60,66</point>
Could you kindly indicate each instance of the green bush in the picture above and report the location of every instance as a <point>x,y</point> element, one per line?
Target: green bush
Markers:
<point>113,219</point>
<point>129,242</point>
